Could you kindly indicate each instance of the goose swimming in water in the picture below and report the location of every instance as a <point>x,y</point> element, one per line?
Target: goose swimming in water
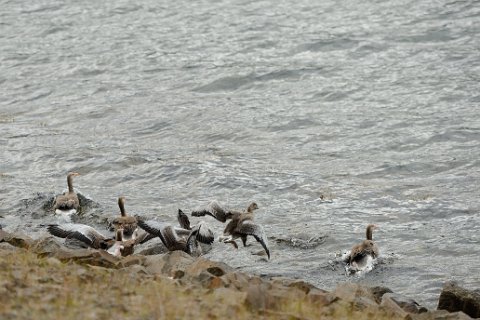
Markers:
<point>125,222</point>
<point>215,210</point>
<point>67,204</point>
<point>362,252</point>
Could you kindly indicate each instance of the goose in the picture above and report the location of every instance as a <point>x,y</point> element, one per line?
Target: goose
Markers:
<point>215,210</point>
<point>67,203</point>
<point>92,238</point>
<point>362,251</point>
<point>175,238</point>
<point>242,226</point>
<point>121,247</point>
<point>82,232</point>
<point>125,222</point>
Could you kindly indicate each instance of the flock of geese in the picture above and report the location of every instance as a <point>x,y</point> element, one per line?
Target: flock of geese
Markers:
<point>133,230</point>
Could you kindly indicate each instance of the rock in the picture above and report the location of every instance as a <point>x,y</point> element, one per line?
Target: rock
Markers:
<point>454,298</point>
<point>257,294</point>
<point>98,258</point>
<point>154,250</point>
<point>169,263</point>
<point>400,304</point>
<point>236,280</point>
<point>378,293</point>
<point>16,240</point>
<point>294,283</point>
<point>320,297</point>
<point>47,247</point>
<point>353,291</point>
<point>5,246</point>
<point>131,260</point>
<point>439,315</point>
<point>199,265</point>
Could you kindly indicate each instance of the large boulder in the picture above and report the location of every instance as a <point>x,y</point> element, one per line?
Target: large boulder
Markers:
<point>454,298</point>
<point>359,296</point>
<point>400,305</point>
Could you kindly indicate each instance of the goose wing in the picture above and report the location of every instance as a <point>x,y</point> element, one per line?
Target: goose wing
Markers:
<point>81,232</point>
<point>183,220</point>
<point>203,233</point>
<point>144,237</point>
<point>155,228</point>
<point>172,240</point>
<point>249,228</point>
<point>215,210</point>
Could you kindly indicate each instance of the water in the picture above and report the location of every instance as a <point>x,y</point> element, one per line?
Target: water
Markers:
<point>330,116</point>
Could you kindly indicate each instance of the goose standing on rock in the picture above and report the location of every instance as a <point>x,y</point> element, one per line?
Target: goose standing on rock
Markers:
<point>362,252</point>
<point>125,222</point>
<point>67,204</point>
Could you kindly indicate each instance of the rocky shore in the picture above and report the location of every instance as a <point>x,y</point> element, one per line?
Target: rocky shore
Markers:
<point>43,279</point>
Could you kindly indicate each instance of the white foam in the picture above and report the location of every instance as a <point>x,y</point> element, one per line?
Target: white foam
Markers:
<point>65,215</point>
<point>361,267</point>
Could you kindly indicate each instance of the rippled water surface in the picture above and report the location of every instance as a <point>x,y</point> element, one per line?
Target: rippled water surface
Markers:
<point>329,114</point>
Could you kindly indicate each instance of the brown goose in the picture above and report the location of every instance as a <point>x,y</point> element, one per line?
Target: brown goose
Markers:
<point>125,222</point>
<point>94,239</point>
<point>367,248</point>
<point>83,233</point>
<point>175,238</point>
<point>242,226</point>
<point>67,203</point>
<point>215,210</point>
<point>121,247</point>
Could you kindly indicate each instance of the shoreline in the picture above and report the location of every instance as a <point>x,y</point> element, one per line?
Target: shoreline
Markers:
<point>45,278</point>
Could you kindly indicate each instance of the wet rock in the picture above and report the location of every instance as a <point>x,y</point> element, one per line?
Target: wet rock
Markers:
<point>16,240</point>
<point>401,304</point>
<point>378,293</point>
<point>454,298</point>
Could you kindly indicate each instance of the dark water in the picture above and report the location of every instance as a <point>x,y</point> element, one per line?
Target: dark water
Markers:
<point>329,115</point>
